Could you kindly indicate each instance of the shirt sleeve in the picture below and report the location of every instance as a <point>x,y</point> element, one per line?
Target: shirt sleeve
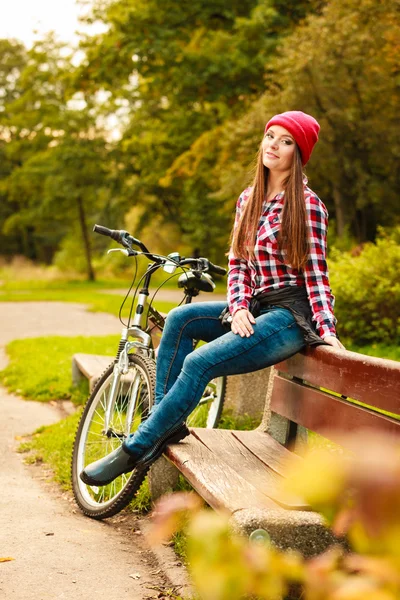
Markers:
<point>316,271</point>
<point>239,280</point>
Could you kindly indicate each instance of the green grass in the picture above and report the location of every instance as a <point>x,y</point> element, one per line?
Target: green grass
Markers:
<point>53,445</point>
<point>40,368</point>
<point>239,422</point>
<point>179,542</point>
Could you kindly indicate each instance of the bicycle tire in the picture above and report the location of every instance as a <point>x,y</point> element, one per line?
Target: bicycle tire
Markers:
<point>209,410</point>
<point>100,503</point>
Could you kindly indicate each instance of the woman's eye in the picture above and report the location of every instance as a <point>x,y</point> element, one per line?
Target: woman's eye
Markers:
<point>287,142</point>
<point>270,136</point>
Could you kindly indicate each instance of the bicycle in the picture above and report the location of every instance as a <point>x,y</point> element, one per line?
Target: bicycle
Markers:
<point>124,395</point>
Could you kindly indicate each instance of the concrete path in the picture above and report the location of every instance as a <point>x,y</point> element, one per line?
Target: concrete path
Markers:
<point>58,553</point>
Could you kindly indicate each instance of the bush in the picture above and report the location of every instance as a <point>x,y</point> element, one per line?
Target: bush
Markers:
<point>367,290</point>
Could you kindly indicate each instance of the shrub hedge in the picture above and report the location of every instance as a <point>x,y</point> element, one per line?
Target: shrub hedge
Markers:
<point>367,289</point>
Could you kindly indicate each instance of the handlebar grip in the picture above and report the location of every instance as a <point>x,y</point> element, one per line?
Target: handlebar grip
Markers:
<point>217,269</point>
<point>114,234</point>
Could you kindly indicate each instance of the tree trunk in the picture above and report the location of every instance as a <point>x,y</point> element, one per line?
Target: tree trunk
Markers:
<point>86,242</point>
<point>339,211</point>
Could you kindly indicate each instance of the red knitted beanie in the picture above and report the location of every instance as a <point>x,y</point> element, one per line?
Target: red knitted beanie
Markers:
<point>304,128</point>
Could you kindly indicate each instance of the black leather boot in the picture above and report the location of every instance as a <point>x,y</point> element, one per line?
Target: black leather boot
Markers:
<point>105,470</point>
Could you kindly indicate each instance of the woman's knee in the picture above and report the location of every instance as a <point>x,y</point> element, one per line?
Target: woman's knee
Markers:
<point>197,364</point>
<point>177,318</point>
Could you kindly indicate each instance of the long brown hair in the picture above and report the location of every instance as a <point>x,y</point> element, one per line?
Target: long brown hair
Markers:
<point>293,236</point>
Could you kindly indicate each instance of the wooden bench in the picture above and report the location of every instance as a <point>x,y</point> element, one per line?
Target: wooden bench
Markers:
<point>238,471</point>
<point>89,366</point>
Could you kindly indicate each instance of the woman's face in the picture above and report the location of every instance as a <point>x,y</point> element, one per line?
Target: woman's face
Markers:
<point>278,148</point>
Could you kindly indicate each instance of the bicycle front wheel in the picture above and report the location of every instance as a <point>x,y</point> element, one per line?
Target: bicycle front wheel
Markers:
<point>208,411</point>
<point>133,400</point>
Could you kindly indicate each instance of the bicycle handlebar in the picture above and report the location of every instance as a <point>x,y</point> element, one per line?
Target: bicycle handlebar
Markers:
<point>216,269</point>
<point>126,240</point>
<point>114,234</point>
<point>203,264</point>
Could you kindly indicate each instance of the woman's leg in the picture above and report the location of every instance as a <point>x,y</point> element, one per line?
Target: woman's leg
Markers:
<point>198,321</point>
<point>276,337</point>
<point>183,325</point>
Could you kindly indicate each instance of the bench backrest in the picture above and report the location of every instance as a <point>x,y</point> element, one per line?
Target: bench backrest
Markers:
<point>346,379</point>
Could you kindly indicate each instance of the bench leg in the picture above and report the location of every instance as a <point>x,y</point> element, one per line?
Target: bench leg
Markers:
<point>77,374</point>
<point>163,478</point>
<point>279,429</point>
<point>247,394</point>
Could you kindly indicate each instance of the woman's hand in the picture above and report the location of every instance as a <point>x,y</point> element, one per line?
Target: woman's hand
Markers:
<point>333,341</point>
<point>242,322</point>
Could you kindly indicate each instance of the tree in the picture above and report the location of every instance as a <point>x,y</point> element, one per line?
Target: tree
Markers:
<point>61,165</point>
<point>12,62</point>
<point>183,71</point>
<point>344,71</point>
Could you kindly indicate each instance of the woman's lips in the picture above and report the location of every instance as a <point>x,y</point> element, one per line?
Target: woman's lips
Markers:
<point>270,155</point>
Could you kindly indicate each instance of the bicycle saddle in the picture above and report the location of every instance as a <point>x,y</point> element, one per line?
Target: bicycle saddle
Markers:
<point>196,281</point>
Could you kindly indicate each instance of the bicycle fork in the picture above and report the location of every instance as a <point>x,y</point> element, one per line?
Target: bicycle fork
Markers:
<point>121,367</point>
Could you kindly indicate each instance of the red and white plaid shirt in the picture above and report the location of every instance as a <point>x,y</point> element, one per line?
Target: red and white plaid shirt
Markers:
<point>267,271</point>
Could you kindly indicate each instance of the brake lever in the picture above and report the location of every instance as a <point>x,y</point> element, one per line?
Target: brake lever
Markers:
<point>205,264</point>
<point>125,251</point>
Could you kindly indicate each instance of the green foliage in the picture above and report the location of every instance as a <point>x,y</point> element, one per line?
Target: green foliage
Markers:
<point>179,540</point>
<point>379,350</point>
<point>239,422</point>
<point>351,90</point>
<point>57,168</point>
<point>367,292</point>
<point>190,86</point>
<point>357,493</point>
<point>182,71</point>
<point>142,503</point>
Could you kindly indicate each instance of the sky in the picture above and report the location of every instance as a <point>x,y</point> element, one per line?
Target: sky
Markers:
<point>19,19</point>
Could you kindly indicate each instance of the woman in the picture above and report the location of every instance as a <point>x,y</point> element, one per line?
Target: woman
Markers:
<point>279,298</point>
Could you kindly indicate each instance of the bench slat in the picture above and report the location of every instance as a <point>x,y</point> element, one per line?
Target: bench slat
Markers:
<point>220,486</point>
<point>92,364</point>
<point>233,453</point>
<point>323,413</point>
<point>268,450</point>
<point>371,380</point>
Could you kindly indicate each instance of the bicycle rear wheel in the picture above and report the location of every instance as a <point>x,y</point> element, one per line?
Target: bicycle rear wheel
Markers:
<point>134,399</point>
<point>208,411</point>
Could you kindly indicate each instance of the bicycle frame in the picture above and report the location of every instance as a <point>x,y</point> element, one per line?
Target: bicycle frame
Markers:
<point>143,341</point>
<point>124,395</point>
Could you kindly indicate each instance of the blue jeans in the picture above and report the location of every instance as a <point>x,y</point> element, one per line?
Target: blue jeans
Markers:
<point>183,373</point>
